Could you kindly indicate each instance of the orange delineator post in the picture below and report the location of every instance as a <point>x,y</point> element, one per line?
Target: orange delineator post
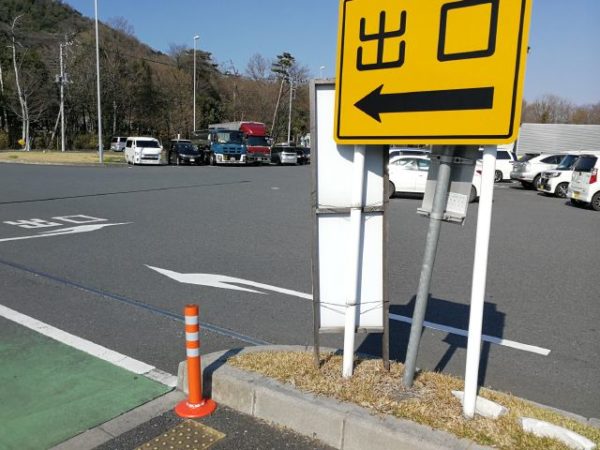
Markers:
<point>195,406</point>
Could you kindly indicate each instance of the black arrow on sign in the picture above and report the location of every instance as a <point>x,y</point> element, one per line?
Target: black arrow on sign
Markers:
<point>376,103</point>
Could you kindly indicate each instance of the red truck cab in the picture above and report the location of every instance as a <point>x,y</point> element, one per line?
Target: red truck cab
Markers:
<point>255,136</point>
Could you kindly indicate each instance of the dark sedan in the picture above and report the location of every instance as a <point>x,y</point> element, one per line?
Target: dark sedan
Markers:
<point>183,152</point>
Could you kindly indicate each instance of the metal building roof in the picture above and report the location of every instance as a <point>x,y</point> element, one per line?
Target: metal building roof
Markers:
<point>557,138</point>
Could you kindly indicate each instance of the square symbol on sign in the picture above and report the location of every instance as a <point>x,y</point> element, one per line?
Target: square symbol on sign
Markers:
<point>468,29</point>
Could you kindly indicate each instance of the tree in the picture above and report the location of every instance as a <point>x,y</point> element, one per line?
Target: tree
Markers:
<point>258,67</point>
<point>281,67</point>
<point>548,109</point>
<point>20,93</point>
<point>4,116</point>
<point>121,24</point>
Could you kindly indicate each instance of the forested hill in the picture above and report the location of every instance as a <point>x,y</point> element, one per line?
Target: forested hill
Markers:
<point>144,91</point>
<point>48,17</point>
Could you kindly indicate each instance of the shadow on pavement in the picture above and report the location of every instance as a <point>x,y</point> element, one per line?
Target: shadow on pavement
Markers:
<point>441,312</point>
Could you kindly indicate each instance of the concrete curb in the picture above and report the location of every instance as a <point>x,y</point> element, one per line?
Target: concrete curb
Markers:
<point>341,425</point>
<point>568,437</point>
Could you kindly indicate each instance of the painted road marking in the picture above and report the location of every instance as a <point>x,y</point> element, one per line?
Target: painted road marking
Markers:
<point>78,219</point>
<point>65,231</point>
<point>486,338</point>
<point>223,282</point>
<point>136,303</point>
<point>32,223</point>
<point>115,358</point>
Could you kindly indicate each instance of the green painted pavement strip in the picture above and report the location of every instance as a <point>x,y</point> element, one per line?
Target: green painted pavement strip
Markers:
<point>50,392</point>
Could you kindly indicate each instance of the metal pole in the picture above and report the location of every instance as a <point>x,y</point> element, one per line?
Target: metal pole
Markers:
<point>353,295</point>
<point>290,111</point>
<point>385,338</point>
<point>100,149</point>
<point>62,101</point>
<point>482,243</point>
<point>194,126</point>
<point>433,237</point>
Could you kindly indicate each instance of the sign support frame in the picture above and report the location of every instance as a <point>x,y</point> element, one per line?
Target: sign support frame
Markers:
<point>316,212</point>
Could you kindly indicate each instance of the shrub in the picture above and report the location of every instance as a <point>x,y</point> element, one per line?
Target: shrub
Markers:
<point>4,140</point>
<point>85,142</point>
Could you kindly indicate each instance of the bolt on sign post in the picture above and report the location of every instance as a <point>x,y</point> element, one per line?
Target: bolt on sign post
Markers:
<point>195,406</point>
<point>442,72</point>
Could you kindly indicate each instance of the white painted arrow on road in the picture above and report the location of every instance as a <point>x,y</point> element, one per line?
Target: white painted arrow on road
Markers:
<point>65,231</point>
<point>225,282</point>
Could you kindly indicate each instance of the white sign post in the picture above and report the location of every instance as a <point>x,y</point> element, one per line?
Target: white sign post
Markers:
<point>482,242</point>
<point>356,239</point>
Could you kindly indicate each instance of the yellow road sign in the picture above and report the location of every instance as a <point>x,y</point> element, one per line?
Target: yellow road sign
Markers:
<point>430,71</point>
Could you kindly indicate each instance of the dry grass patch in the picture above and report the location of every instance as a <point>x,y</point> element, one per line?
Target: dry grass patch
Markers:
<point>429,402</point>
<point>54,157</point>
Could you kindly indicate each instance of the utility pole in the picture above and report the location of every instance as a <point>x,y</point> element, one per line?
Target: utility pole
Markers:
<point>291,83</point>
<point>100,149</point>
<point>62,80</point>
<point>194,125</point>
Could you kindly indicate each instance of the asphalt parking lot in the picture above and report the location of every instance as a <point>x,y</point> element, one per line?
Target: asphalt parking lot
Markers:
<point>119,283</point>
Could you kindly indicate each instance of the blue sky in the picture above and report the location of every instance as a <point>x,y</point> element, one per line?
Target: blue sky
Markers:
<point>564,39</point>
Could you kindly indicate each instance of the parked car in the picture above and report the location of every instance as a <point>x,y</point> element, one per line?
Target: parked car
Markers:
<point>117,143</point>
<point>408,174</point>
<point>505,159</point>
<point>556,182</point>
<point>585,185</point>
<point>142,150</point>
<point>400,151</point>
<point>529,168</point>
<point>284,154</point>
<point>182,151</point>
<point>303,155</point>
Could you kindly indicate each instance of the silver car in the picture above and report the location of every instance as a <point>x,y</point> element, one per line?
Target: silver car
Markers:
<point>529,168</point>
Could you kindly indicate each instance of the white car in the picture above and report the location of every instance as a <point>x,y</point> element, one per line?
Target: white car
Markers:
<point>505,159</point>
<point>529,168</point>
<point>556,182</point>
<point>585,183</point>
<point>408,174</point>
<point>142,150</point>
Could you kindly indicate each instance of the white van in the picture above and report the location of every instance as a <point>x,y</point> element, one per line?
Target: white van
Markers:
<point>505,160</point>
<point>117,143</point>
<point>142,150</point>
<point>585,184</point>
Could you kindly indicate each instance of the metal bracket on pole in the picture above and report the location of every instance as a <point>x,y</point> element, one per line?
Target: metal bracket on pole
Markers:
<point>482,243</point>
